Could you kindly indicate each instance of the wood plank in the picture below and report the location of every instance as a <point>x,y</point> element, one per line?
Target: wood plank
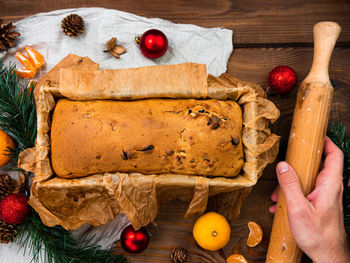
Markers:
<point>254,22</point>
<point>176,231</point>
<point>254,64</point>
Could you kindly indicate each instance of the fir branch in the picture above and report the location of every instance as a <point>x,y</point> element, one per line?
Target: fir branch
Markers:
<point>337,133</point>
<point>17,108</point>
<point>58,245</point>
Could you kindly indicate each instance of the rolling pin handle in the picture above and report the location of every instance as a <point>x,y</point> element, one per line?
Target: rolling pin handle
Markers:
<point>325,37</point>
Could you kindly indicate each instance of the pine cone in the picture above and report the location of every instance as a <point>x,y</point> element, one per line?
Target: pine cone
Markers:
<point>179,255</point>
<point>7,38</point>
<point>8,232</point>
<point>73,25</point>
<point>7,185</point>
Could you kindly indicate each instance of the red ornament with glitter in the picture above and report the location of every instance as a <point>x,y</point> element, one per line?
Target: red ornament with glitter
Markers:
<point>134,241</point>
<point>282,79</point>
<point>153,43</point>
<point>14,208</point>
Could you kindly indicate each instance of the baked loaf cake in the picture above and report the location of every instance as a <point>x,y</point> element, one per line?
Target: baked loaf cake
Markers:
<point>155,136</point>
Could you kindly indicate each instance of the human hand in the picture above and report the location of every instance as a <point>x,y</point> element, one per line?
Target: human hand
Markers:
<point>316,221</point>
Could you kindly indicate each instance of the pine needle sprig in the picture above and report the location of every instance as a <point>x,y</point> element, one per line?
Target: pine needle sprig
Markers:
<point>337,133</point>
<point>58,245</point>
<point>17,108</point>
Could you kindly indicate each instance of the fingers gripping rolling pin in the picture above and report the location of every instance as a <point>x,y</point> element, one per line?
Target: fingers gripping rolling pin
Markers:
<point>306,138</point>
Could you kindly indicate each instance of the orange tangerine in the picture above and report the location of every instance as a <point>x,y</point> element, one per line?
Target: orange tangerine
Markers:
<point>5,142</point>
<point>236,258</point>
<point>212,231</point>
<point>255,234</point>
<point>25,61</point>
<point>35,57</point>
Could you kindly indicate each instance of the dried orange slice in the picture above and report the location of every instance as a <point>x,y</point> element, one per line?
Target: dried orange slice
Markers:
<point>35,57</point>
<point>25,61</point>
<point>255,234</point>
<point>236,258</point>
<point>26,73</point>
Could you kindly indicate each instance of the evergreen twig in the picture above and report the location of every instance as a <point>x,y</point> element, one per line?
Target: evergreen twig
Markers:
<point>58,245</point>
<point>45,244</point>
<point>17,109</point>
<point>337,133</point>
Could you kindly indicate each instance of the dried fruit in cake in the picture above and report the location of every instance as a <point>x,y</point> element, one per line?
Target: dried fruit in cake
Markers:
<point>255,234</point>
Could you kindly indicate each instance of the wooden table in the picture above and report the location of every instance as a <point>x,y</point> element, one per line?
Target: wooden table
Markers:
<point>266,34</point>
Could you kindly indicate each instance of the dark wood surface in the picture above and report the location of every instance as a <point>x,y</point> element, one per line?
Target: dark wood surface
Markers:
<point>266,34</point>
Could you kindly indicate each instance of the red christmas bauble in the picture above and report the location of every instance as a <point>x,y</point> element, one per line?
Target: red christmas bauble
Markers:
<point>14,208</point>
<point>153,43</point>
<point>134,241</point>
<point>282,79</point>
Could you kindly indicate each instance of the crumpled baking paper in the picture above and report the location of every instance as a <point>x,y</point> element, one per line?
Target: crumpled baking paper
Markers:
<point>98,198</point>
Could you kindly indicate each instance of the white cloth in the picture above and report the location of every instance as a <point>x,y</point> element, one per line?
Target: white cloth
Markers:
<point>187,43</point>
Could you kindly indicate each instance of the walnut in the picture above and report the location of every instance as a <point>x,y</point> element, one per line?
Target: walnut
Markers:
<point>115,50</point>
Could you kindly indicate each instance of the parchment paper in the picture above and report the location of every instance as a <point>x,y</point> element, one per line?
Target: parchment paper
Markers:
<point>98,198</point>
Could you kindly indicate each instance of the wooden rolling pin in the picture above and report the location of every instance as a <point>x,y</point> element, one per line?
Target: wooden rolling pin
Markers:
<point>306,138</point>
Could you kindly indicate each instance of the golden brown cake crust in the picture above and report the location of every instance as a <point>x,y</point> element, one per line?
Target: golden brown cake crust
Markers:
<point>155,136</point>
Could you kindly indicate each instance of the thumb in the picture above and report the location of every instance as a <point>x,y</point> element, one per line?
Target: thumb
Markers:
<point>290,185</point>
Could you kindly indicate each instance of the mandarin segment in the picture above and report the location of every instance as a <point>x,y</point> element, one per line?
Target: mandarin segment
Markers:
<point>212,231</point>
<point>35,57</point>
<point>255,234</point>
<point>236,258</point>
<point>26,73</point>
<point>25,61</point>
